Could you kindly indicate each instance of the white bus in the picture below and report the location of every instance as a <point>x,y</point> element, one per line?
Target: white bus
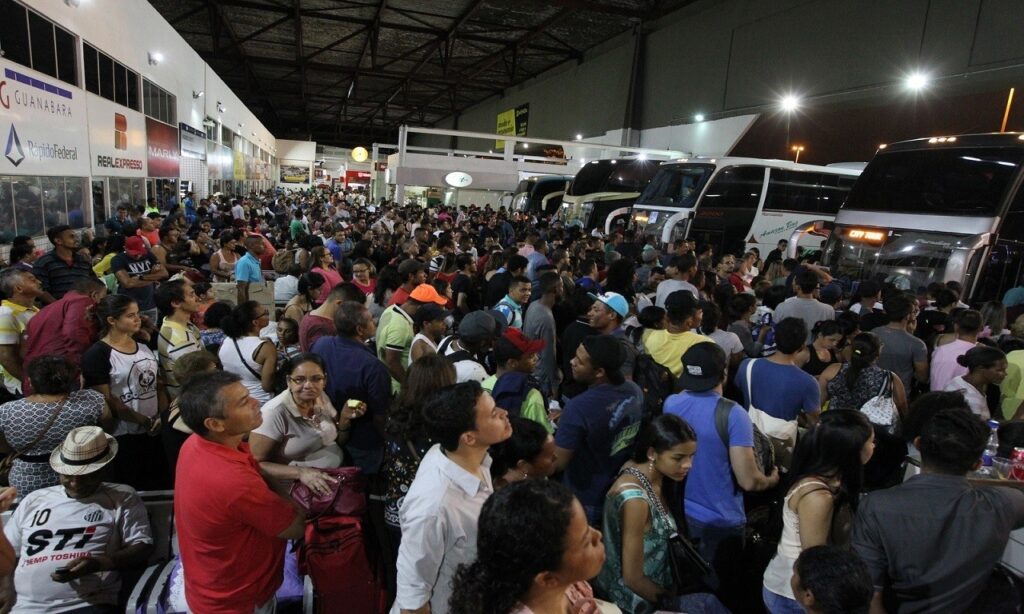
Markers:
<point>737,203</point>
<point>935,210</point>
<point>541,194</point>
<point>602,192</point>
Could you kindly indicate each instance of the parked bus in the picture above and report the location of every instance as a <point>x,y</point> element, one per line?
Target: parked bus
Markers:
<point>737,203</point>
<point>936,209</point>
<point>541,194</point>
<point>603,191</point>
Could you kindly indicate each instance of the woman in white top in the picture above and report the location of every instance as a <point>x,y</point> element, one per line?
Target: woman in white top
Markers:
<point>430,325</point>
<point>302,431</point>
<point>827,476</point>
<point>222,262</point>
<point>985,365</point>
<point>125,371</point>
<point>245,353</point>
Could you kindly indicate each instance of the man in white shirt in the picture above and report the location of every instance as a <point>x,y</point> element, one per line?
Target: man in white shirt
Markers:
<point>73,539</point>
<point>678,273</point>
<point>440,512</point>
<point>237,212</point>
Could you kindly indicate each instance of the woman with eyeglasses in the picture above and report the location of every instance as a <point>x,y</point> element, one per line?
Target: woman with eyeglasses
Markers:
<point>302,431</point>
<point>245,353</point>
<point>363,276</point>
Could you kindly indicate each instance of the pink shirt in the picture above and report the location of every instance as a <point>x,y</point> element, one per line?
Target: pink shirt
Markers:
<point>944,365</point>
<point>331,278</point>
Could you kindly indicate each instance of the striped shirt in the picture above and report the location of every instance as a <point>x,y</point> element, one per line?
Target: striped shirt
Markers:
<point>175,341</point>
<point>13,321</point>
<point>57,276</point>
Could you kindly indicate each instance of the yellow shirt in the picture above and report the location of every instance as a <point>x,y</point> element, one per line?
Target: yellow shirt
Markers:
<point>668,348</point>
<point>1012,388</point>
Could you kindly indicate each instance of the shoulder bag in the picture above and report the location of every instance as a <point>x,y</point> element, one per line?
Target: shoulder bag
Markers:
<point>764,452</point>
<point>689,568</point>
<point>346,497</point>
<point>8,461</point>
<point>881,408</point>
<point>782,433</point>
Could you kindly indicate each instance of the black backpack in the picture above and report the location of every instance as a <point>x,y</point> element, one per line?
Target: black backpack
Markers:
<point>657,382</point>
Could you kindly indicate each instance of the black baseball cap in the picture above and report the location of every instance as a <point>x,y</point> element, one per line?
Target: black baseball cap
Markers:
<point>704,364</point>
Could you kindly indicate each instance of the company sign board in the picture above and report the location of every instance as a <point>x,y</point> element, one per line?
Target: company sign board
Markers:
<point>193,142</point>
<point>43,124</point>
<point>162,149</point>
<point>117,139</point>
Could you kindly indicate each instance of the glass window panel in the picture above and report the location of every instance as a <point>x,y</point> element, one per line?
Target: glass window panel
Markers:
<point>137,189</point>
<point>44,55</point>
<point>99,206</point>
<point>172,109</point>
<point>7,230</point>
<point>133,90</point>
<point>66,67</point>
<point>14,33</point>
<point>147,98</point>
<point>78,212</point>
<point>28,206</point>
<point>92,69</point>
<point>120,84</point>
<point>106,77</point>
<point>55,208</point>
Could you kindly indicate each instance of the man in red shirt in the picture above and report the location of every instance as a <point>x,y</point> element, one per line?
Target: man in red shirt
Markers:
<point>62,328</point>
<point>413,273</point>
<point>232,526</point>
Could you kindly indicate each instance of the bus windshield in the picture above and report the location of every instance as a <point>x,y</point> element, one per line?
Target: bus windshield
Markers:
<point>612,176</point>
<point>909,259</point>
<point>676,185</point>
<point>946,181</point>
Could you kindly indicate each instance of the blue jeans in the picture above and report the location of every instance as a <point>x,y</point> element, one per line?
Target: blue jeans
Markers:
<point>367,460</point>
<point>777,604</point>
<point>720,546</point>
<point>698,603</point>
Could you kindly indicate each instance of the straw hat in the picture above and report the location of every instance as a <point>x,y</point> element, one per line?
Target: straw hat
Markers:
<point>85,450</point>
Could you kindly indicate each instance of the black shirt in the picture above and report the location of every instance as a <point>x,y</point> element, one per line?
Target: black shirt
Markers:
<point>935,539</point>
<point>57,276</point>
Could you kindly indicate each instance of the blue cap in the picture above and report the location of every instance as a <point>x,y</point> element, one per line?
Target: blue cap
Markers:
<point>615,301</point>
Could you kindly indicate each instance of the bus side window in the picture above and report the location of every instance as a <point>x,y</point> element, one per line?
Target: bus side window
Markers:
<point>793,191</point>
<point>738,187</point>
<point>1006,258</point>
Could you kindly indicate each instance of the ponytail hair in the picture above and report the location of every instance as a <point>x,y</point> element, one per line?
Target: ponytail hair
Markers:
<point>522,532</point>
<point>112,306</point>
<point>980,357</point>
<point>237,324</point>
<point>864,351</point>
<point>308,283</point>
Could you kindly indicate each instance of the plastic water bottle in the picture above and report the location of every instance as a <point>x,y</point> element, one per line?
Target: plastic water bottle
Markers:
<point>992,447</point>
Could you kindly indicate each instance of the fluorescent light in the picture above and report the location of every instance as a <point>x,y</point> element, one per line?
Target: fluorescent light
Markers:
<point>916,81</point>
<point>790,103</point>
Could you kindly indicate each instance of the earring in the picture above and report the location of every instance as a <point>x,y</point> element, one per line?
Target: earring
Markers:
<point>650,465</point>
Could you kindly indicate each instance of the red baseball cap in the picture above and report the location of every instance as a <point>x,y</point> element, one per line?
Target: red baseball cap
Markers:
<point>135,247</point>
<point>521,342</point>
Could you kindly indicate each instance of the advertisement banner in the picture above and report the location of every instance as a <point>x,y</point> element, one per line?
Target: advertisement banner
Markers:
<point>512,122</point>
<point>239,166</point>
<point>117,139</point>
<point>43,124</point>
<point>294,172</point>
<point>193,142</point>
<point>162,149</point>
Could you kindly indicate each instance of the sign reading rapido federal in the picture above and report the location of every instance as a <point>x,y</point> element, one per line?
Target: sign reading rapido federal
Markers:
<point>42,124</point>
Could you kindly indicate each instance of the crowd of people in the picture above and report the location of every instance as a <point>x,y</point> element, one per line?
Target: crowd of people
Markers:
<point>549,420</point>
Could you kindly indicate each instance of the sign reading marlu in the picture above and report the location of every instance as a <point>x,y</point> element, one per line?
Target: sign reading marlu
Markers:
<point>162,149</point>
<point>117,139</point>
<point>42,124</point>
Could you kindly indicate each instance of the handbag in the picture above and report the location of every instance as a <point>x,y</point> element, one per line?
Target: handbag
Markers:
<point>881,408</point>
<point>689,568</point>
<point>346,496</point>
<point>764,451</point>
<point>8,461</point>
<point>782,433</point>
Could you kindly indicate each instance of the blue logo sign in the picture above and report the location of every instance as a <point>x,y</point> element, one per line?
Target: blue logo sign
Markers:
<point>13,151</point>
